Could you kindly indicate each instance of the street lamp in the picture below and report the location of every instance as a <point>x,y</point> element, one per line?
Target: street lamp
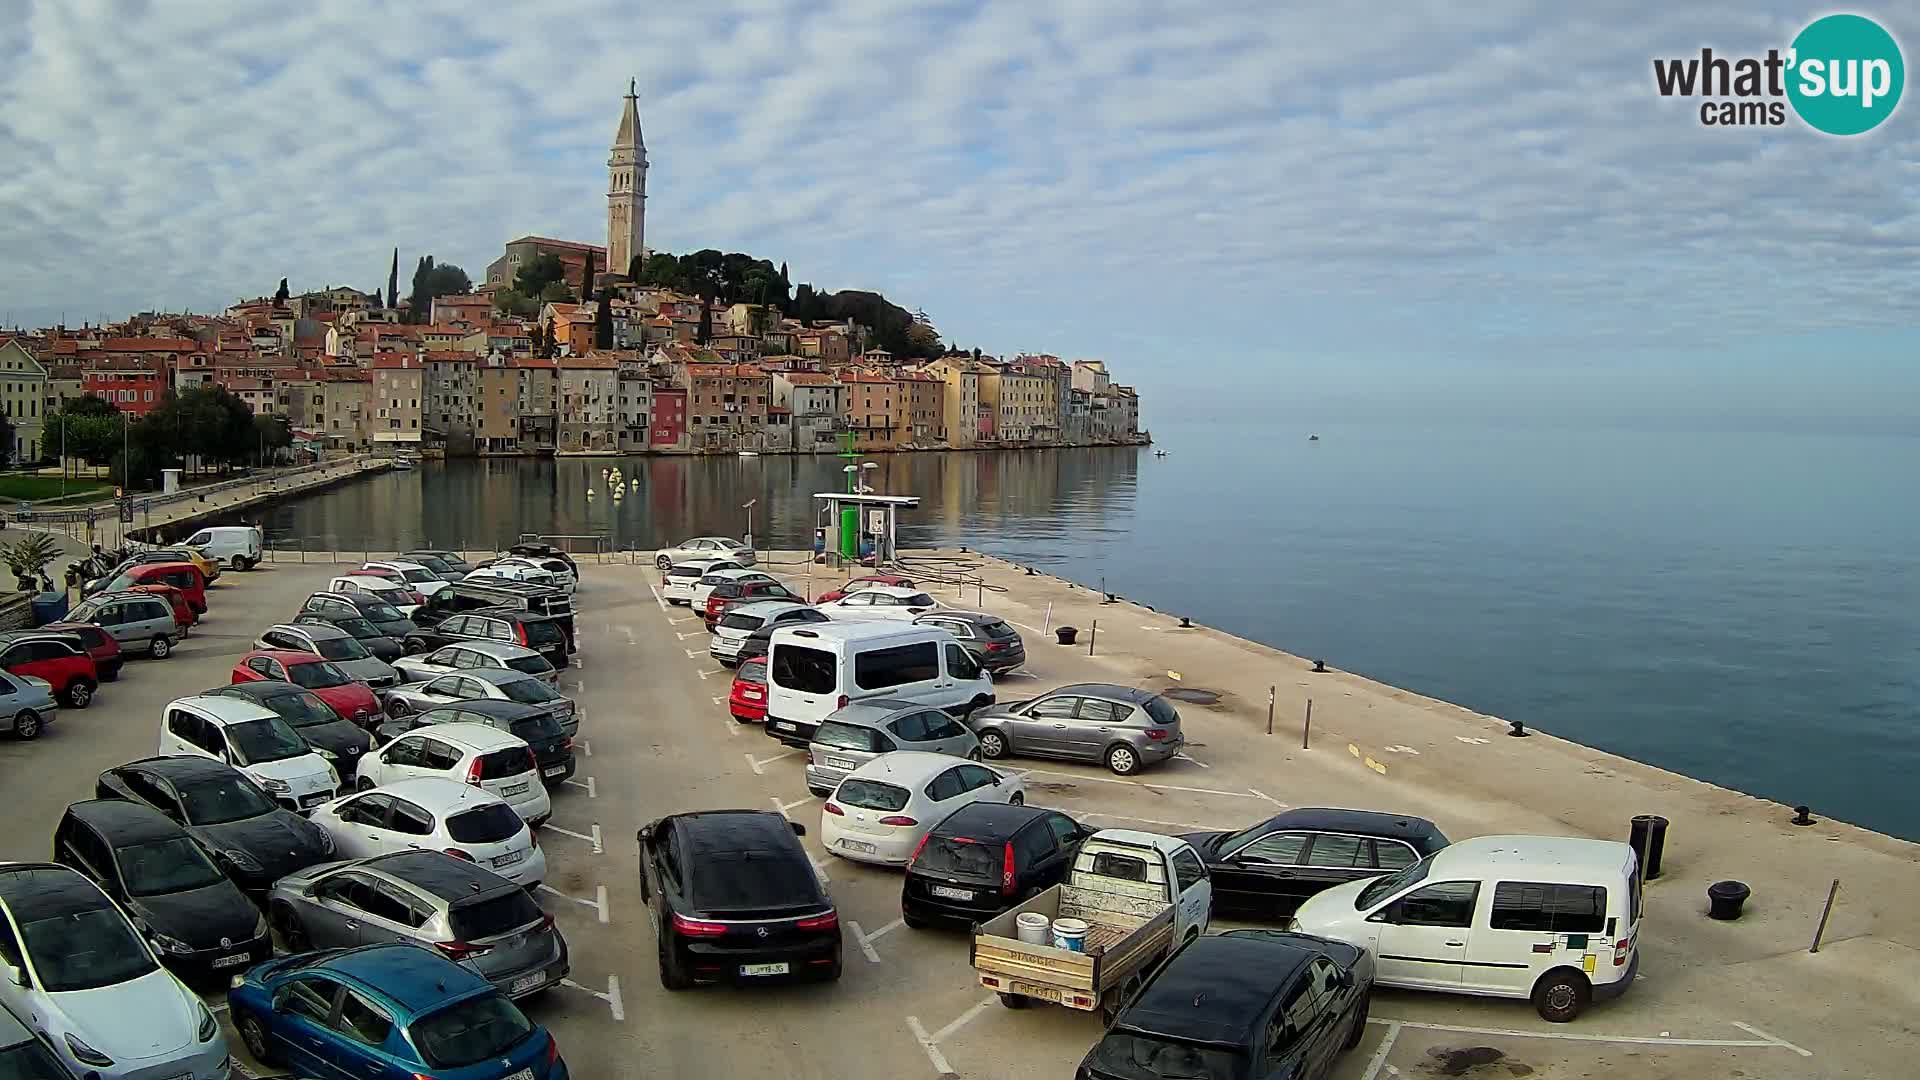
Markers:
<point>870,465</point>
<point>749,509</point>
<point>850,470</point>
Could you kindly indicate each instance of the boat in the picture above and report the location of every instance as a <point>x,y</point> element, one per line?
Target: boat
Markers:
<point>749,453</point>
<point>404,463</point>
<point>1159,453</point>
<point>1313,438</point>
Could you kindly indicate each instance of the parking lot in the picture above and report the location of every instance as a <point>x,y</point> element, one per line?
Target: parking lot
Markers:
<point>656,738</point>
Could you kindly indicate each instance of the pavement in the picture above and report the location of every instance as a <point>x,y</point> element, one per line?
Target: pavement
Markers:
<point>1738,999</point>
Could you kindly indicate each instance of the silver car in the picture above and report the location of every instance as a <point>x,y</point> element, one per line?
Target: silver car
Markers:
<point>469,655</point>
<point>1123,727</point>
<point>465,912</point>
<point>140,622</point>
<point>331,643</point>
<point>852,736</point>
<point>730,634</point>
<point>27,705</point>
<point>494,684</point>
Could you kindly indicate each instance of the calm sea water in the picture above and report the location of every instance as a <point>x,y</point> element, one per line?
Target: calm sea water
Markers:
<point>1744,608</point>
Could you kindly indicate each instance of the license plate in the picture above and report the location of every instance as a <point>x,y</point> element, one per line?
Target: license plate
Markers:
<point>523,1074</point>
<point>513,789</point>
<point>953,894</point>
<point>313,800</point>
<point>839,763</point>
<point>526,983</point>
<point>230,961</point>
<point>556,770</point>
<point>1043,993</point>
<point>784,726</point>
<point>763,969</point>
<point>509,858</point>
<point>858,845</point>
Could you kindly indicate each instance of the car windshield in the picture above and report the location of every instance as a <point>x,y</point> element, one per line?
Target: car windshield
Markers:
<point>382,612</point>
<point>1132,1055</point>
<point>166,866</point>
<point>359,628</point>
<point>959,855</point>
<point>438,566</point>
<point>999,631</point>
<point>488,824</point>
<point>84,611</point>
<point>317,676</point>
<point>220,799</point>
<point>872,795</point>
<point>301,709</point>
<point>738,621</point>
<point>341,648</point>
<point>528,691</point>
<point>536,728</point>
<point>470,1031</point>
<point>531,665</point>
<point>31,1060</point>
<point>255,742</point>
<point>118,584</point>
<point>418,577</point>
<point>1381,888</point>
<point>85,950</point>
<point>1162,712</point>
<point>848,736</point>
<point>918,599</point>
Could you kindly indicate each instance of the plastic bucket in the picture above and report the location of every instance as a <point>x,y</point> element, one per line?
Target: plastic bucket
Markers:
<point>1070,934</point>
<point>1032,927</point>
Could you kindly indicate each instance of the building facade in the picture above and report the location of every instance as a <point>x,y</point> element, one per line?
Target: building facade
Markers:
<point>816,411</point>
<point>24,398</point>
<point>399,388</point>
<point>627,189</point>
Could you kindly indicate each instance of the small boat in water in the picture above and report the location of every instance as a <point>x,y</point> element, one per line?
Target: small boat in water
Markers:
<point>1159,453</point>
<point>1313,438</point>
<point>749,453</point>
<point>404,463</point>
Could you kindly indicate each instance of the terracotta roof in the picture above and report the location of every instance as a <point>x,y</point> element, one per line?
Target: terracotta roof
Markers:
<point>810,378</point>
<point>533,363</point>
<point>914,376</point>
<point>862,377</point>
<point>395,362</point>
<point>588,363</point>
<point>150,345</point>
<point>451,357</point>
<point>567,245</point>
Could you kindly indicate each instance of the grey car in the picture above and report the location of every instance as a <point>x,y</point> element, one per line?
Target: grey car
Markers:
<point>140,622</point>
<point>331,643</point>
<point>495,684</point>
<point>469,655</point>
<point>466,913</point>
<point>1124,728</point>
<point>992,641</point>
<point>26,705</point>
<point>737,626</point>
<point>852,736</point>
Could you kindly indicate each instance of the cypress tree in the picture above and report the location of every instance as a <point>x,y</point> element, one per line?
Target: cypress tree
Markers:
<point>393,281</point>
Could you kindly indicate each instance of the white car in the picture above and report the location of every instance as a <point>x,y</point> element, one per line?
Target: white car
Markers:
<point>76,966</point>
<point>890,602</point>
<point>506,571</point>
<point>704,547</point>
<point>378,588</point>
<point>563,576</point>
<point>677,581</point>
<point>422,580</point>
<point>882,810</point>
<point>703,588</point>
<point>485,757</point>
<point>437,814</point>
<point>254,739</point>
<point>467,655</point>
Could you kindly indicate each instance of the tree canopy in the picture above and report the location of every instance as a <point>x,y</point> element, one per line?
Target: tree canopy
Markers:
<point>431,281</point>
<point>735,278</point>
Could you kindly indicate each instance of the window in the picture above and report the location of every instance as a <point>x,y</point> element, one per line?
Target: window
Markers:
<point>1101,711</point>
<point>1449,903</point>
<point>1338,851</point>
<point>1549,909</point>
<point>960,665</point>
<point>309,998</point>
<point>1055,708</point>
<point>1276,849</point>
<point>438,755</point>
<point>809,671</point>
<point>1064,830</point>
<point>1187,870</point>
<point>1120,867</point>
<point>1394,854</point>
<point>912,727</point>
<point>405,752</point>
<point>368,810</point>
<point>1298,1012</point>
<point>942,726</point>
<point>898,665</point>
<point>947,785</point>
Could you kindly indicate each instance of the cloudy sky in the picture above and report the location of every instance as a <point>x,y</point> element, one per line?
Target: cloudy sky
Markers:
<point>1411,205</point>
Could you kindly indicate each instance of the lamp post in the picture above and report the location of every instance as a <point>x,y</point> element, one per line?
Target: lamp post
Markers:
<point>749,509</point>
<point>868,466</point>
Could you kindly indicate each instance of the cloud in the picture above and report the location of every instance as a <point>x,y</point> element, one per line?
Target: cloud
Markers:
<point>1470,184</point>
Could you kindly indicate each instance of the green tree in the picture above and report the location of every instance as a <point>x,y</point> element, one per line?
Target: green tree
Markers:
<point>393,281</point>
<point>272,434</point>
<point>556,292</point>
<point>537,274</point>
<point>6,439</point>
<point>432,281</point>
<point>509,302</point>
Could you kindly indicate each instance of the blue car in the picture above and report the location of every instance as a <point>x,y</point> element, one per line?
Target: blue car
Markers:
<point>387,1012</point>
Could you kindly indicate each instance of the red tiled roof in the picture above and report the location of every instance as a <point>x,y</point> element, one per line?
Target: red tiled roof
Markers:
<point>395,361</point>
<point>564,244</point>
<point>809,378</point>
<point>150,345</point>
<point>588,363</point>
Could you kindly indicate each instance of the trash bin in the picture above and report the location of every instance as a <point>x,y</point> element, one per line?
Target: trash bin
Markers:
<point>1724,899</point>
<point>1648,835</point>
<point>48,607</point>
<point>1066,634</point>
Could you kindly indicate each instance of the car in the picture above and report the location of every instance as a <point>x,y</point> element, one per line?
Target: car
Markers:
<point>1122,727</point>
<point>734,898</point>
<point>252,738</point>
<point>98,643</point>
<point>27,705</point>
<point>747,697</point>
<point>197,920</point>
<point>545,551</point>
<point>390,1010</point>
<point>522,573</point>
<point>1243,1005</point>
<point>481,684</point>
<point>985,858</point>
<point>816,669</point>
<point>704,547</point>
<point>705,586</point>
<point>416,576</point>
<point>237,546</point>
<point>881,810</point>
<point>344,694</point>
<point>59,659</point>
<point>452,562</point>
<point>544,634</point>
<point>184,576</point>
<point>334,645</point>
<point>437,814</point>
<point>333,737</point>
<point>727,595</point>
<point>207,567</point>
<point>868,581</point>
<point>1269,869</point>
<point>141,622</point>
<point>466,912</point>
<point>852,736</point>
<point>677,581</point>
<point>368,635</point>
<point>183,614</point>
<point>561,573</point>
<point>992,641</point>
<point>745,629</point>
<point>532,724</point>
<point>386,618</point>
<point>481,755</point>
<point>401,596</point>
<point>252,838</point>
<point>93,987</point>
<point>471,653</point>
<point>470,594</point>
<point>879,602</point>
<point>26,1055</point>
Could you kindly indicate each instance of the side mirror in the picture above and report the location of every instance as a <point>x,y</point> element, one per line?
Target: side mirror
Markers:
<point>16,976</point>
<point>798,829</point>
<point>1384,915</point>
<point>644,834</point>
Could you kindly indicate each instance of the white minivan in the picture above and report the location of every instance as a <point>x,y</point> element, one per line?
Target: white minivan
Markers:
<point>254,739</point>
<point>238,546</point>
<point>819,667</point>
<point>1555,920</point>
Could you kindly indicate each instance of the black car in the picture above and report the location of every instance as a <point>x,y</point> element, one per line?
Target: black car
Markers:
<point>454,563</point>
<point>252,839</point>
<point>368,635</point>
<point>532,724</point>
<point>384,616</point>
<point>545,551</point>
<point>468,594</point>
<point>992,642</point>
<point>1270,869</point>
<point>1243,1005</point>
<point>198,921</point>
<point>337,740</point>
<point>737,900</point>
<point>541,633</point>
<point>985,858</point>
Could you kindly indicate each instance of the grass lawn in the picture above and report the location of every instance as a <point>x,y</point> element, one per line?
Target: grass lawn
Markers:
<point>15,486</point>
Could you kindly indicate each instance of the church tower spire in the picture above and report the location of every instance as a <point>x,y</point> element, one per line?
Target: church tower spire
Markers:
<point>627,188</point>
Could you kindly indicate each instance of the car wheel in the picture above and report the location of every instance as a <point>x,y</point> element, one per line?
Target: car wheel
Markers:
<point>162,647</point>
<point>1122,760</point>
<point>1359,1022</point>
<point>1561,995</point>
<point>79,694</point>
<point>671,976</point>
<point>254,1034</point>
<point>1015,1001</point>
<point>1016,799</point>
<point>398,709</point>
<point>912,921</point>
<point>27,724</point>
<point>361,783</point>
<point>993,744</point>
<point>661,562</point>
<point>414,646</point>
<point>292,934</point>
<point>238,562</point>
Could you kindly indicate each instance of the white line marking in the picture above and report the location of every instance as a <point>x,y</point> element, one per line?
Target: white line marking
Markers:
<point>217,1006</point>
<point>939,1061</point>
<point>1625,1040</point>
<point>611,997</point>
<point>890,927</point>
<point>1470,740</point>
<point>1775,1039</point>
<point>628,631</point>
<point>591,838</point>
<point>657,598</point>
<point>961,1021</point>
<point>1194,825</point>
<point>1182,755</point>
<point>677,622</point>
<point>690,633</point>
<point>1024,626</point>
<point>719,701</point>
<point>592,792</point>
<point>861,937</point>
<point>691,654</point>
<point>598,903</point>
<point>732,726</point>
<point>1261,794</point>
<point>784,807</point>
<point>705,675</point>
<point>759,764</point>
<point>1138,783</point>
<point>585,746</point>
<point>1379,1058</point>
<point>1016,675</point>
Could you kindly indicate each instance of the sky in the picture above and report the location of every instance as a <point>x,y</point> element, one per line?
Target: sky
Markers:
<point>1257,209</point>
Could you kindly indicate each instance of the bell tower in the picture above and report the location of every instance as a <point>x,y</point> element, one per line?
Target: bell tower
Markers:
<point>627,189</point>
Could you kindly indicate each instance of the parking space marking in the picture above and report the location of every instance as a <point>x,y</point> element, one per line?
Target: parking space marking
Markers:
<point>611,997</point>
<point>732,726</point>
<point>1261,794</point>
<point>926,1043</point>
<point>692,654</point>
<point>784,807</point>
<point>592,791</point>
<point>866,945</point>
<point>579,685</point>
<point>598,903</point>
<point>628,631</point>
<point>962,1020</point>
<point>704,675</point>
<point>1024,626</point>
<point>585,746</point>
<point>1379,1058</point>
<point>719,701</point>
<point>688,634</point>
<point>677,622</point>
<point>593,838</point>
<point>1193,825</point>
<point>1774,1039</point>
<point>1623,1040</point>
<point>759,764</point>
<point>1016,675</point>
<point>657,598</point>
<point>1248,794</point>
<point>1184,756</point>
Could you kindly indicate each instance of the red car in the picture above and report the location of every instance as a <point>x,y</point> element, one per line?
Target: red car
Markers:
<point>352,699</point>
<point>183,614</point>
<point>748,698</point>
<point>101,645</point>
<point>61,659</point>
<point>182,575</point>
<point>857,583</point>
<point>729,593</point>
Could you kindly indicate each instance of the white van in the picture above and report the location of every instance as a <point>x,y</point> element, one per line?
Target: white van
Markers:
<point>1552,919</point>
<point>816,668</point>
<point>254,739</point>
<point>238,546</point>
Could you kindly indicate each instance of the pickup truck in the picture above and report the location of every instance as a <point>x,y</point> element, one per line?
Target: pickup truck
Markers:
<point>1142,895</point>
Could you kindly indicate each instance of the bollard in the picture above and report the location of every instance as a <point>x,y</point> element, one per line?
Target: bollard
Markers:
<point>1306,729</point>
<point>1647,834</point>
<point>1066,634</point>
<point>1270,710</point>
<point>1803,815</point>
<point>1518,730</point>
<point>1092,635</point>
<point>1186,623</point>
<point>1724,899</point>
<point>1820,931</point>
<point>1320,666</point>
